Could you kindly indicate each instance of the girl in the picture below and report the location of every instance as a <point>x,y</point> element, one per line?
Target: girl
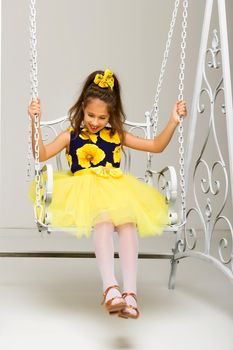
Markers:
<point>96,196</point>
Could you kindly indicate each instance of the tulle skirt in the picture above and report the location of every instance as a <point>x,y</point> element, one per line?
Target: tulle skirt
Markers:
<point>84,199</point>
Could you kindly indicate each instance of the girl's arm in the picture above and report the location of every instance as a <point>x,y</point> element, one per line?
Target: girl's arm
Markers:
<point>159,143</point>
<point>60,142</point>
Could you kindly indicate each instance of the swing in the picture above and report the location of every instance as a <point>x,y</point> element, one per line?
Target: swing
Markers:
<point>167,176</point>
<point>183,248</point>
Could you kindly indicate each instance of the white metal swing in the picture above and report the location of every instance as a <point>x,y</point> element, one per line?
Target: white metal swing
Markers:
<point>167,175</point>
<point>186,239</point>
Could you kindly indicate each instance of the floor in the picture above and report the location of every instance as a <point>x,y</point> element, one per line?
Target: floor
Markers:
<point>55,304</point>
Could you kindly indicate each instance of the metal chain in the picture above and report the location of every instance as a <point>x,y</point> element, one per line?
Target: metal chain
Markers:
<point>181,97</point>
<point>155,108</point>
<point>29,154</point>
<point>34,94</point>
<point>33,79</point>
<point>33,75</point>
<point>33,50</point>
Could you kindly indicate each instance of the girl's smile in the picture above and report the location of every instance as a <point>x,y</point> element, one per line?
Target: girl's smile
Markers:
<point>96,115</point>
<point>93,128</point>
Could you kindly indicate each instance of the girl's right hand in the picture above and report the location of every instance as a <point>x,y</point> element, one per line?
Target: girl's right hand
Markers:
<point>34,108</point>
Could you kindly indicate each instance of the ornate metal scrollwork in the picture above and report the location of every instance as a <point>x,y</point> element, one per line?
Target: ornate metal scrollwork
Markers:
<point>208,188</point>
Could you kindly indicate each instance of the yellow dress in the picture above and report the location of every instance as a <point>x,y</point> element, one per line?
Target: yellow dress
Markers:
<point>96,189</point>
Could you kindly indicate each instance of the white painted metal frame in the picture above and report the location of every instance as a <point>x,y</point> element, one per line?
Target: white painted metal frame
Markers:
<point>187,239</point>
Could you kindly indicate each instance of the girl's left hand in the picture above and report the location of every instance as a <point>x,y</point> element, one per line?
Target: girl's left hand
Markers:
<point>179,109</point>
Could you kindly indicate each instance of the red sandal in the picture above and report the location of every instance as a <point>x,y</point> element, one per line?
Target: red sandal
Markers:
<point>124,313</point>
<point>113,308</point>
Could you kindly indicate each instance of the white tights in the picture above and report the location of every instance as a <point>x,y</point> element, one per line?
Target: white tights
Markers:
<point>128,253</point>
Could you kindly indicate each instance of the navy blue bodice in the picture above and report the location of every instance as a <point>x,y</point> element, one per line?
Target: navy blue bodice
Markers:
<point>94,149</point>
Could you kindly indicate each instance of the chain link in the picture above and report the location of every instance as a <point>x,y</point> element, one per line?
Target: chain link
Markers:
<point>155,108</point>
<point>181,97</point>
<point>33,78</point>
<point>34,94</point>
<point>29,154</point>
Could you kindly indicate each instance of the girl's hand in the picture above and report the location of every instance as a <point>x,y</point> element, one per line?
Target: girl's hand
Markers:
<point>34,108</point>
<point>179,109</point>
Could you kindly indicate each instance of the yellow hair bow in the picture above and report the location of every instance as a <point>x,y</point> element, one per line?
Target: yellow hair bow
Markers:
<point>105,80</point>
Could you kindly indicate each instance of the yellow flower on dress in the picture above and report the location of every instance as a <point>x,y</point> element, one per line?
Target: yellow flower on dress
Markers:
<point>105,80</point>
<point>117,154</point>
<point>88,154</point>
<point>70,129</point>
<point>86,135</point>
<point>69,159</point>
<point>105,135</point>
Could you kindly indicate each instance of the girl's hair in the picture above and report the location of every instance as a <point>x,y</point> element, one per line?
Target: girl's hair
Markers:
<point>111,97</point>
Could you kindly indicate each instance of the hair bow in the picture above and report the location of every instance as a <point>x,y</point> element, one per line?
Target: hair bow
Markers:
<point>106,80</point>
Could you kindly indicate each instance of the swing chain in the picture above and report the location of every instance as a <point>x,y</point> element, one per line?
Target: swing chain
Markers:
<point>180,97</point>
<point>37,153</point>
<point>33,79</point>
<point>29,153</point>
<point>155,108</point>
<point>34,94</point>
<point>33,51</point>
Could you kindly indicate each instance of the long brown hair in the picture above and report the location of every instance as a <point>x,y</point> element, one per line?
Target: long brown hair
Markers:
<point>111,97</point>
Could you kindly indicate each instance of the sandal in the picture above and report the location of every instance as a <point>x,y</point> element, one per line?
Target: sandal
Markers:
<point>126,314</point>
<point>113,308</point>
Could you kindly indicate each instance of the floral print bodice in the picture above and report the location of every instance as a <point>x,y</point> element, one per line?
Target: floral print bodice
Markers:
<point>88,150</point>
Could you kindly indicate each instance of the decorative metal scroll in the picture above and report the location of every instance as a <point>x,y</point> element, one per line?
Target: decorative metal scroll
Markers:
<point>206,187</point>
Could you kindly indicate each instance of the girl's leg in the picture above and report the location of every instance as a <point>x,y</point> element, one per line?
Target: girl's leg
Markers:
<point>128,253</point>
<point>104,251</point>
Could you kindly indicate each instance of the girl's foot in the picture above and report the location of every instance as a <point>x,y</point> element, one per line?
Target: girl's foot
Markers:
<point>131,310</point>
<point>113,300</point>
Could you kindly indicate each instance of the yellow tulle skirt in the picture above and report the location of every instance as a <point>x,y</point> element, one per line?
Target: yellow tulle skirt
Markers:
<point>85,199</point>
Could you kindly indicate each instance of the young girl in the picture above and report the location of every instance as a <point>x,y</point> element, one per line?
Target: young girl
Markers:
<point>96,196</point>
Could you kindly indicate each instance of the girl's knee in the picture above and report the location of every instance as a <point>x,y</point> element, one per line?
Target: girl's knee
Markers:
<point>128,225</point>
<point>104,224</point>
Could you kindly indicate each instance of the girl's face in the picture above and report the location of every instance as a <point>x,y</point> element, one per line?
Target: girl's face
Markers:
<point>96,115</point>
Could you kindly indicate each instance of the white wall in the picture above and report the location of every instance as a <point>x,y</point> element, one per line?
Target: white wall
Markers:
<point>74,38</point>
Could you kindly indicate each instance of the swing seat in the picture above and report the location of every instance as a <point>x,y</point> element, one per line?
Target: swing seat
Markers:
<point>164,180</point>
